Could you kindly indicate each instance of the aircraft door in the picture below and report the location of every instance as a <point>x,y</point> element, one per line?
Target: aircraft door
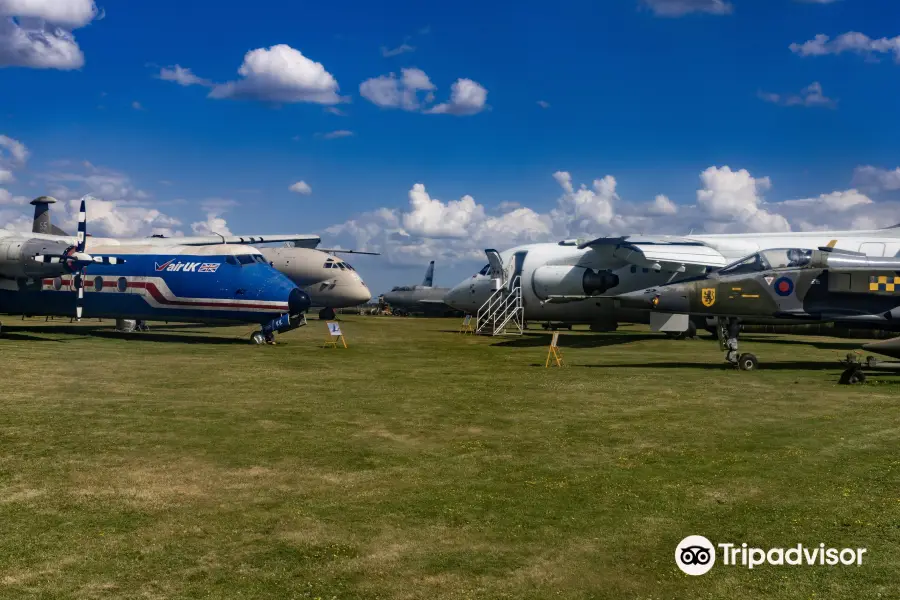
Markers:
<point>517,266</point>
<point>496,266</point>
<point>872,248</point>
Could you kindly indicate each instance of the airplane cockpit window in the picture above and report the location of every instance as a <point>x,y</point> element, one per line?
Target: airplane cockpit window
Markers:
<point>260,259</point>
<point>485,270</point>
<point>778,258</point>
<point>752,264</point>
<point>231,260</point>
<point>245,259</point>
<point>787,258</point>
<point>340,266</point>
<point>329,264</point>
<point>346,264</point>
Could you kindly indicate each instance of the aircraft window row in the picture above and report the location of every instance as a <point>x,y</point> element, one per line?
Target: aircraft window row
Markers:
<point>330,264</point>
<point>634,269</point>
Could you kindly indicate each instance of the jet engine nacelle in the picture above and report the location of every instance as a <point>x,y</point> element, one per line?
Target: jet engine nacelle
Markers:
<point>568,280</point>
<point>17,257</point>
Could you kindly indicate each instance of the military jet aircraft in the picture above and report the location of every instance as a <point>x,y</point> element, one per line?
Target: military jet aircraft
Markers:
<point>45,274</point>
<point>790,284</point>
<point>423,298</point>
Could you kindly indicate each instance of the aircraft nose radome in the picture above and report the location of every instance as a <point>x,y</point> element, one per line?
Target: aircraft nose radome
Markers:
<point>298,301</point>
<point>454,297</point>
<point>364,294</point>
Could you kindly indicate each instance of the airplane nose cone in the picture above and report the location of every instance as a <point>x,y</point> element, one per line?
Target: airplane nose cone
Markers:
<point>362,295</point>
<point>454,298</point>
<point>298,301</point>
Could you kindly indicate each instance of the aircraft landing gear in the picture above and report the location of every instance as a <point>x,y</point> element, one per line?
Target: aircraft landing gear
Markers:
<point>728,330</point>
<point>257,338</point>
<point>326,314</point>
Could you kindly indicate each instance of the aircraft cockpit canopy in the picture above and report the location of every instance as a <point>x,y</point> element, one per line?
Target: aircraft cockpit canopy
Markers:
<point>767,260</point>
<point>486,270</point>
<point>403,288</point>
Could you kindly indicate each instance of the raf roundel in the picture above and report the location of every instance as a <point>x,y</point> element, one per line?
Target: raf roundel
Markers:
<point>783,286</point>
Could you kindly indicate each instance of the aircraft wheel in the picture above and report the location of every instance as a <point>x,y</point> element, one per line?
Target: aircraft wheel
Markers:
<point>326,314</point>
<point>852,376</point>
<point>748,362</point>
<point>257,338</point>
<point>691,332</point>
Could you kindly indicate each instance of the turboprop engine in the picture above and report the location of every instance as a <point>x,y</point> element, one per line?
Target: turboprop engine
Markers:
<point>568,280</point>
<point>16,257</point>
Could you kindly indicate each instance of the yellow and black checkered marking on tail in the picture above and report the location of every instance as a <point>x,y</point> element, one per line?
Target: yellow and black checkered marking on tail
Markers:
<point>884,283</point>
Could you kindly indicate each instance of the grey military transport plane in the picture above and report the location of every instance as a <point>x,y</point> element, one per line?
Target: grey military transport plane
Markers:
<point>801,284</point>
<point>423,298</point>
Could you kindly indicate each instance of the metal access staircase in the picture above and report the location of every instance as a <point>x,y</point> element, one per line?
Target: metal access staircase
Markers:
<point>502,313</point>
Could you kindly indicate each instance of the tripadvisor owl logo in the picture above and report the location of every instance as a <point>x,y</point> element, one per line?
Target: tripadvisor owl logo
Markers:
<point>695,555</point>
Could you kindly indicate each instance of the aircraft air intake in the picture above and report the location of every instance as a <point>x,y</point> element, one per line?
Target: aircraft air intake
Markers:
<point>567,280</point>
<point>599,282</point>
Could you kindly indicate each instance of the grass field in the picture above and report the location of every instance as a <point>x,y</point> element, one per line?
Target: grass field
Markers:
<point>185,463</point>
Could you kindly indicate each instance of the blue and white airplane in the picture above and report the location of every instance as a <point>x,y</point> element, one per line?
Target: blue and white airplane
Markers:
<point>204,280</point>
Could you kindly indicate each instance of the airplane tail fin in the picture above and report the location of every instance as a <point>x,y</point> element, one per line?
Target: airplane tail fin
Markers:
<point>429,275</point>
<point>42,222</point>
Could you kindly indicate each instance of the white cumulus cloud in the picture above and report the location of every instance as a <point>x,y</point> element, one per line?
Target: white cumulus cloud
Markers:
<point>182,76</point>
<point>414,91</point>
<point>679,8</point>
<point>811,95</point>
<point>736,198</point>
<point>301,187</point>
<point>852,41</point>
<point>729,200</point>
<point>278,74</point>
<point>37,34</point>
<point>389,91</point>
<point>467,97</point>
<point>877,180</point>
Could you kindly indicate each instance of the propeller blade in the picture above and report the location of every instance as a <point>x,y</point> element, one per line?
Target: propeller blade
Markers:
<point>79,302</point>
<point>108,260</point>
<point>82,228</point>
<point>48,259</point>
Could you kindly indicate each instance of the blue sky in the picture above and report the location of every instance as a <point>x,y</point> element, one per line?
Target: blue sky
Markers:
<point>650,92</point>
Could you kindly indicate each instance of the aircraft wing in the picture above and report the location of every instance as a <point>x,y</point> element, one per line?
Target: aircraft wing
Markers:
<point>659,252</point>
<point>299,240</point>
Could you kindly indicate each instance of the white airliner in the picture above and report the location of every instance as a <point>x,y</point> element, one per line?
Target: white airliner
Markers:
<point>572,281</point>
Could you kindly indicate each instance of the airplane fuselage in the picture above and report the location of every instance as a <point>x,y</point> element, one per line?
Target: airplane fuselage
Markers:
<point>225,283</point>
<point>330,281</point>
